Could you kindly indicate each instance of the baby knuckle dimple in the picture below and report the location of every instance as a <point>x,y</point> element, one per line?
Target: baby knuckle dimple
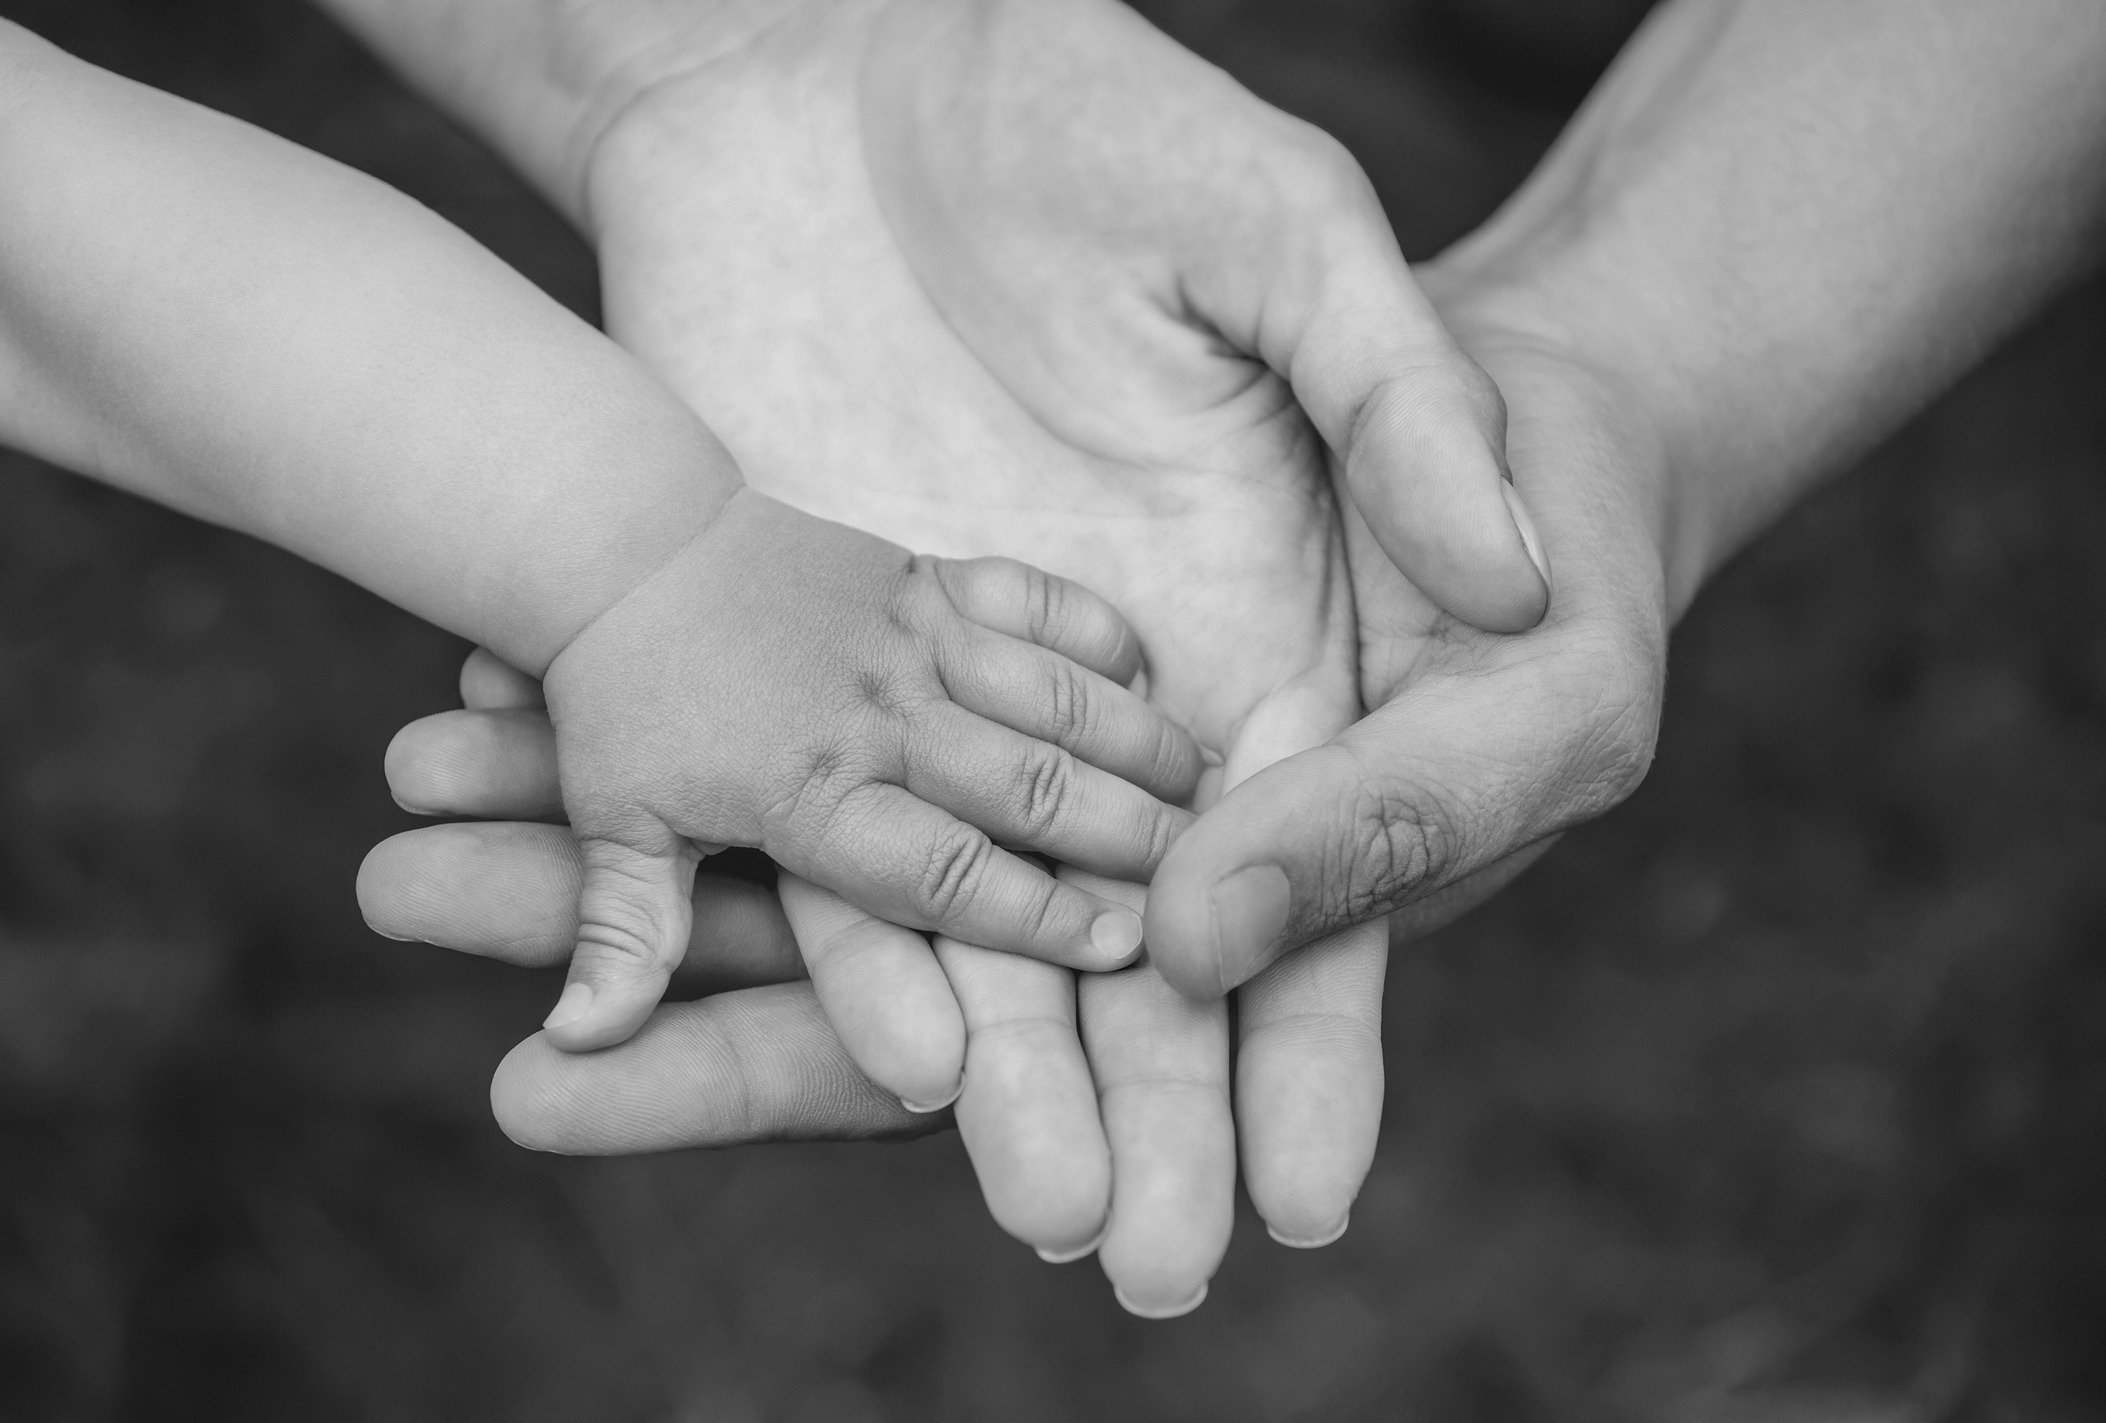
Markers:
<point>884,693</point>
<point>821,781</point>
<point>957,865</point>
<point>922,593</point>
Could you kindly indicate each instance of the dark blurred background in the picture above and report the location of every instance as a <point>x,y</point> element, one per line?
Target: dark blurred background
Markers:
<point>1778,1095</point>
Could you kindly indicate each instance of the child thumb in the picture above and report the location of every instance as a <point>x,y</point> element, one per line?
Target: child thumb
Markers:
<point>635,910</point>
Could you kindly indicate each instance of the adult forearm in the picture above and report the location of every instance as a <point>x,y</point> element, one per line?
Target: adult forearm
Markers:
<point>542,80</point>
<point>1784,225</point>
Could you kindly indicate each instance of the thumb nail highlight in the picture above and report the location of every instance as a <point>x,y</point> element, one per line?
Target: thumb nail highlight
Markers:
<point>1526,527</point>
<point>575,1003</point>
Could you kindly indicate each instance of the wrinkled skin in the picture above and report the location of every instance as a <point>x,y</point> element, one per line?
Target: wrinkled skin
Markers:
<point>1024,333</point>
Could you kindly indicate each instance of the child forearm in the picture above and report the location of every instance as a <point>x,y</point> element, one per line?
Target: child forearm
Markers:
<point>206,315</point>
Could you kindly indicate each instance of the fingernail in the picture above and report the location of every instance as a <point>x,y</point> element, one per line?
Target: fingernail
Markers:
<point>1069,1257</point>
<point>923,1110</point>
<point>398,938</point>
<point>1159,1311</point>
<point>1314,1242</point>
<point>412,809</point>
<point>1116,934</point>
<point>1250,909</point>
<point>1526,527</point>
<point>576,1000</point>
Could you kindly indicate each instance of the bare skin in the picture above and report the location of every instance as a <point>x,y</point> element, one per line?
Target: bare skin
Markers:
<point>825,289</point>
<point>1657,307</point>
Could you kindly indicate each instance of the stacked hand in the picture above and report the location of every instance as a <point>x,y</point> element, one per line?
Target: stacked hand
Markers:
<point>1069,296</point>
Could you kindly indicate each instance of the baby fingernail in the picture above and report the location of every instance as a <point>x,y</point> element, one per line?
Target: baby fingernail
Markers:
<point>1250,909</point>
<point>1069,1257</point>
<point>1116,934</point>
<point>1159,1311</point>
<point>1526,527</point>
<point>573,1005</point>
<point>924,1109</point>
<point>1313,1242</point>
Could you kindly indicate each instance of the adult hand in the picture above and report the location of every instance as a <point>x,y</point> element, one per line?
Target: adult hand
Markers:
<point>1695,311</point>
<point>1661,301</point>
<point>1109,389</point>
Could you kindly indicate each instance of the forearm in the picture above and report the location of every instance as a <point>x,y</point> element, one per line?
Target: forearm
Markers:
<point>1784,225</point>
<point>205,315</point>
<point>542,80</point>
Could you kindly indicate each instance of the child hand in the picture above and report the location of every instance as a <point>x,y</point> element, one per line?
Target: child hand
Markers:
<point>878,723</point>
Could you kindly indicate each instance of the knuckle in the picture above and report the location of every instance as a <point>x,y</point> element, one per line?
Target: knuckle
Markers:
<point>1044,786</point>
<point>1320,173</point>
<point>624,922</point>
<point>1176,761</point>
<point>1069,709</point>
<point>1615,739</point>
<point>1045,604</point>
<point>956,871</point>
<point>1162,825</point>
<point>1400,842</point>
<point>926,586</point>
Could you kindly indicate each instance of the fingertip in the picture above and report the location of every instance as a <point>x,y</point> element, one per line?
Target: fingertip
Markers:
<point>1115,939</point>
<point>592,1015</point>
<point>379,873</point>
<point>575,1003</point>
<point>485,763</point>
<point>403,765</point>
<point>931,1107</point>
<point>1207,936</point>
<point>1314,1240</point>
<point>520,1097</point>
<point>1149,1306</point>
<point>488,683</point>
<point>1176,928</point>
<point>883,993</point>
<point>1428,472</point>
<point>1068,1255</point>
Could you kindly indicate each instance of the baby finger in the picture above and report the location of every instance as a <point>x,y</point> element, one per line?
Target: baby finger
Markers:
<point>887,851</point>
<point>1044,695</point>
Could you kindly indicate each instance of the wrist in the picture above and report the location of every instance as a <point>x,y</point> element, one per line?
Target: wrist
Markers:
<point>544,83</point>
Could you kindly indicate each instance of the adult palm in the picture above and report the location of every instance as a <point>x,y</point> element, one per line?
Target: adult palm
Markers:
<point>1031,280</point>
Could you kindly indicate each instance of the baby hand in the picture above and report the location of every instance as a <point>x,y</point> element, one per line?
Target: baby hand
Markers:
<point>879,723</point>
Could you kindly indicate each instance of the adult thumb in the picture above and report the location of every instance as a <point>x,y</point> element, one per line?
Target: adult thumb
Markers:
<point>635,911</point>
<point>1417,426</point>
<point>1421,431</point>
<point>1426,791</point>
